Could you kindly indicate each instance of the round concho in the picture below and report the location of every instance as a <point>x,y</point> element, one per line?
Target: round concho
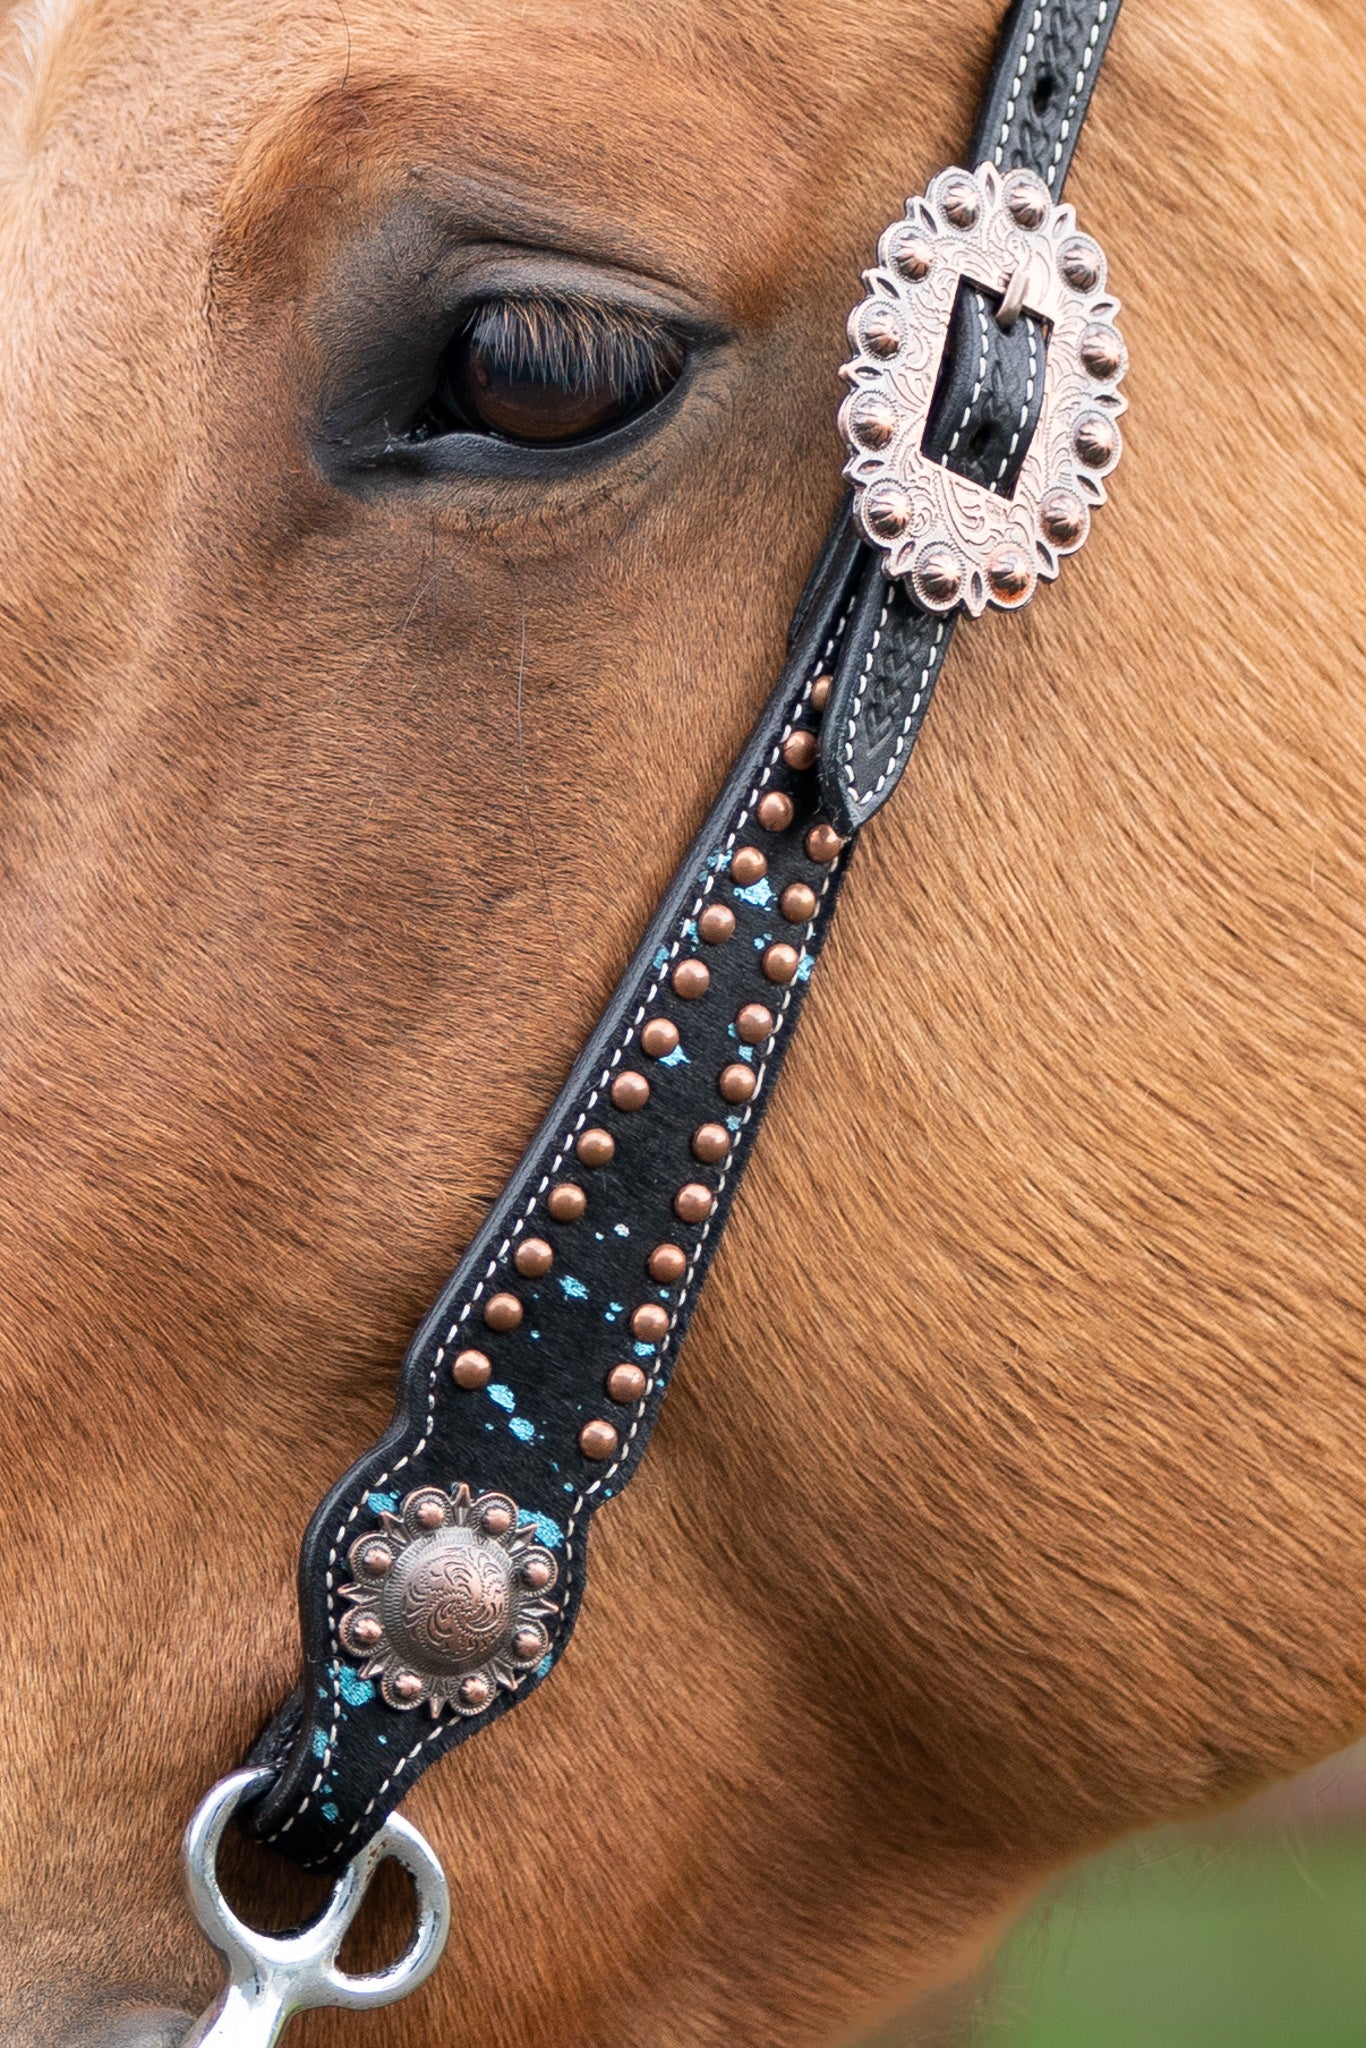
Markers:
<point>954,542</point>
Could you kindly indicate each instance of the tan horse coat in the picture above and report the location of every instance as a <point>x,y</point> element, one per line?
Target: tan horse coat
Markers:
<point>1012,1492</point>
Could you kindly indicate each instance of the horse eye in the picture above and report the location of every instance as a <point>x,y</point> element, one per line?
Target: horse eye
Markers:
<point>546,370</point>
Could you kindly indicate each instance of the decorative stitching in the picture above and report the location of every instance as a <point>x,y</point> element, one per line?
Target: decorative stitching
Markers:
<point>1015,84</point>
<point>1101,11</point>
<point>441,1726</point>
<point>980,304</point>
<point>1028,401</point>
<point>855,796</point>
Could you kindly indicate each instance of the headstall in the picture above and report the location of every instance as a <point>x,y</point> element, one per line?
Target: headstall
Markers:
<point>440,1579</point>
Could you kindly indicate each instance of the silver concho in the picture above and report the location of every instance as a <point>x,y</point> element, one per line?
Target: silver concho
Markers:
<point>954,542</point>
<point>449,1600</point>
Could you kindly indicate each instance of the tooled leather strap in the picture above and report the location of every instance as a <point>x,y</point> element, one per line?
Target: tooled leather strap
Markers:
<point>440,1578</point>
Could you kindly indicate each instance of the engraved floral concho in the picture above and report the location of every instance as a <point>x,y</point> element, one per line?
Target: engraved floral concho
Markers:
<point>953,541</point>
<point>449,1600</point>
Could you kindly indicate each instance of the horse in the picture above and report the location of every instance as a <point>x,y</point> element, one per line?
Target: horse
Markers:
<point>1010,1497</point>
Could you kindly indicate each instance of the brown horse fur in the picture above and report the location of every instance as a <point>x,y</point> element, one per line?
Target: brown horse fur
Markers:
<point>1012,1493</point>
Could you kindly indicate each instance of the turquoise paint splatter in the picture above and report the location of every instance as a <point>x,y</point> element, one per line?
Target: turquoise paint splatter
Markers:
<point>760,894</point>
<point>355,1690</point>
<point>330,1812</point>
<point>732,1123</point>
<point>612,1311</point>
<point>690,927</point>
<point>661,958</point>
<point>320,1742</point>
<point>544,1666</point>
<point>575,1289</point>
<point>804,967</point>
<point>746,1051</point>
<point>382,1503</point>
<point>504,1396</point>
<point>676,1058</point>
<point>644,1350</point>
<point>523,1430</point>
<point>548,1532</point>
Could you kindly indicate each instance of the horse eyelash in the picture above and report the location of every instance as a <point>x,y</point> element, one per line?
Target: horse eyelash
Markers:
<point>580,344</point>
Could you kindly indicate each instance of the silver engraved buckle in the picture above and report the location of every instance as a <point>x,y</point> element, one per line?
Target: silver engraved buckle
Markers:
<point>954,542</point>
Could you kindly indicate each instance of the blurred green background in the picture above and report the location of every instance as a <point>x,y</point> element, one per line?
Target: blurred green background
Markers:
<point>1251,1931</point>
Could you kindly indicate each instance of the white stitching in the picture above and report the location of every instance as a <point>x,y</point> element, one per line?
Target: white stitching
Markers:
<point>1028,401</point>
<point>1015,84</point>
<point>866,796</point>
<point>441,1726</point>
<point>980,304</point>
<point>1086,56</point>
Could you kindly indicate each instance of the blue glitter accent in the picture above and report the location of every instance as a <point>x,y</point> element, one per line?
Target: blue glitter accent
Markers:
<point>544,1666</point>
<point>621,1230</point>
<point>548,1532</point>
<point>732,1123</point>
<point>355,1690</point>
<point>329,1811</point>
<point>760,893</point>
<point>575,1289</point>
<point>504,1396</point>
<point>382,1503</point>
<point>676,1058</point>
<point>746,1051</point>
<point>644,1350</point>
<point>804,967</point>
<point>661,958</point>
<point>523,1430</point>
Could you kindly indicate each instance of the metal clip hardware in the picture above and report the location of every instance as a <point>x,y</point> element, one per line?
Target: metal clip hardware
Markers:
<point>273,1976</point>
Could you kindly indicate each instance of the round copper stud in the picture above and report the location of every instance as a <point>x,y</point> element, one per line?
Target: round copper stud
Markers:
<point>475,1690</point>
<point>659,1037</point>
<point>880,332</point>
<point>754,1024</point>
<point>596,1147</point>
<point>823,842</point>
<point>938,574</point>
<point>536,1572</point>
<point>533,1258</point>
<point>471,1370</point>
<point>1081,263</point>
<point>691,979</point>
<point>597,1440</point>
<point>1062,518</point>
<point>1009,572</point>
<point>774,811</point>
<point>872,421</point>
<point>710,1143</point>
<point>748,866</point>
<point>502,1311</point>
<point>668,1262</point>
<point>377,1561</point>
<point>820,692</point>
<point>365,1630</point>
<point>737,1082</point>
<point>887,511</point>
<point>650,1322</point>
<point>693,1203</point>
<point>406,1685</point>
<point>912,256</point>
<point>566,1203</point>
<point>429,1514</point>
<point>625,1384</point>
<point>497,1518</point>
<point>798,903</point>
<point>1095,441</point>
<point>1028,200</point>
<point>960,202</point>
<point>1102,352</point>
<point>799,749</point>
<point>716,924</point>
<point>630,1091</point>
<point>528,1643</point>
<point>780,963</point>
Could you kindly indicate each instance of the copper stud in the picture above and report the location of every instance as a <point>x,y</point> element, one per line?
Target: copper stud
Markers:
<point>717,923</point>
<point>872,421</point>
<point>880,332</point>
<point>537,1571</point>
<point>939,574</point>
<point>596,1147</point>
<point>533,1257</point>
<point>497,1518</point>
<point>660,1036</point>
<point>597,1440</point>
<point>650,1323</point>
<point>823,842</point>
<point>799,748</point>
<point>710,1143</point>
<point>798,903</point>
<point>691,979</point>
<point>748,866</point>
<point>1028,200</point>
<point>1095,441</point>
<point>754,1024</point>
<point>737,1082</point>
<point>960,202</point>
<point>774,811</point>
<point>365,1629</point>
<point>476,1691</point>
<point>630,1091</point>
<point>502,1311</point>
<point>820,692</point>
<point>471,1370</point>
<point>780,963</point>
<point>913,256</point>
<point>625,1384</point>
<point>526,1644</point>
<point>1102,351</point>
<point>407,1685</point>
<point>1009,572</point>
<point>887,511</point>
<point>1062,517</point>
<point>668,1262</point>
<point>429,1514</point>
<point>1079,262</point>
<point>566,1203</point>
<point>693,1203</point>
<point>377,1561</point>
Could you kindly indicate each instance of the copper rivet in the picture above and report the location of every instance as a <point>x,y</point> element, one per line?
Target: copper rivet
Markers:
<point>717,923</point>
<point>1079,261</point>
<point>798,903</point>
<point>659,1037</point>
<point>737,1082</point>
<point>668,1262</point>
<point>475,1690</point>
<point>880,332</point>
<point>799,748</point>
<point>429,1514</point>
<point>1028,200</point>
<point>823,842</point>
<point>630,1090</point>
<point>597,1439</point>
<point>887,510</point>
<point>960,202</point>
<point>365,1629</point>
<point>913,257</point>
<point>694,1203</point>
<point>1102,351</point>
<point>471,1370</point>
<point>775,811</point>
<point>873,421</point>
<point>537,1571</point>
<point>748,866</point>
<point>502,1311</point>
<point>566,1203</point>
<point>625,1384</point>
<point>596,1147</point>
<point>533,1257</point>
<point>1095,441</point>
<point>939,573</point>
<point>1009,571</point>
<point>1062,517</point>
<point>650,1323</point>
<point>754,1024</point>
<point>378,1561</point>
<point>497,1518</point>
<point>710,1143</point>
<point>527,1643</point>
<point>820,693</point>
<point>408,1685</point>
<point>691,979</point>
<point>780,963</point>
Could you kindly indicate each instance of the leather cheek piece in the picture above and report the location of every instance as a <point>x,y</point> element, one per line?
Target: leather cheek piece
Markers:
<point>885,676</point>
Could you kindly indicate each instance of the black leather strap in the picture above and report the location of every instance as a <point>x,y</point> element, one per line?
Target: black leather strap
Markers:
<point>653,1127</point>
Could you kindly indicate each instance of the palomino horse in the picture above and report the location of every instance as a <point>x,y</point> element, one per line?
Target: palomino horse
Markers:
<point>1011,1494</point>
